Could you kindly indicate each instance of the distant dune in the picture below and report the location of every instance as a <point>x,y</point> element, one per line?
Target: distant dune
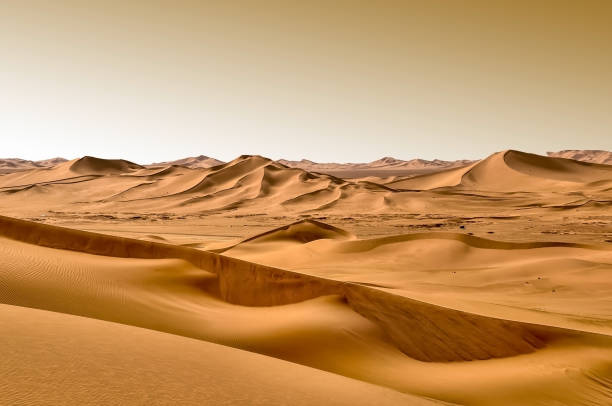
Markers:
<point>586,155</point>
<point>248,181</point>
<point>252,183</point>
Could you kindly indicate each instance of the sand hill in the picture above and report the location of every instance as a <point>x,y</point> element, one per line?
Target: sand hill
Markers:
<point>485,284</point>
<point>246,182</point>
<point>586,155</point>
<point>125,307</point>
<point>511,171</point>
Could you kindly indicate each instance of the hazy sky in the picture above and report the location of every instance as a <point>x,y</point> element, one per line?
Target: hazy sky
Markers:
<point>327,80</point>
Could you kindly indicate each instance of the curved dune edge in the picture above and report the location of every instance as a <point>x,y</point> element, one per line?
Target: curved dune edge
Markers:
<point>422,331</point>
<point>302,231</point>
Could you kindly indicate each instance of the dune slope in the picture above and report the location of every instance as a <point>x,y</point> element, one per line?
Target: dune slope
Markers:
<point>322,322</point>
<point>510,171</point>
<point>55,358</point>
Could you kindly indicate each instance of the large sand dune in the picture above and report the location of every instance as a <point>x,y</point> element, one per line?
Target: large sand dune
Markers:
<point>334,319</point>
<point>511,171</point>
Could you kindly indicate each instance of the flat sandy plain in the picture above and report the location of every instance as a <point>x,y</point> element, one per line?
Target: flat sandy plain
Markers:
<point>252,282</point>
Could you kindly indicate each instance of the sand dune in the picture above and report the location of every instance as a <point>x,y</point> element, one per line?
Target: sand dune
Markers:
<point>246,181</point>
<point>256,184</point>
<point>511,171</point>
<point>461,268</point>
<point>321,319</point>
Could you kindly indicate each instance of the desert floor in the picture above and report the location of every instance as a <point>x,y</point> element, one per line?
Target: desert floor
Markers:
<point>254,283</point>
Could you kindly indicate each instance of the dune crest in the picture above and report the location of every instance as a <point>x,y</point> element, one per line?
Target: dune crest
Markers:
<point>91,165</point>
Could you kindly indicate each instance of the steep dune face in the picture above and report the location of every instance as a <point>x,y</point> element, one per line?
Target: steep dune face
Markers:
<point>567,281</point>
<point>556,168</point>
<point>449,177</point>
<point>418,328</point>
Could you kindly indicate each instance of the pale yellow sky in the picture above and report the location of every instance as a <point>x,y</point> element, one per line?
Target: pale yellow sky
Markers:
<point>325,80</point>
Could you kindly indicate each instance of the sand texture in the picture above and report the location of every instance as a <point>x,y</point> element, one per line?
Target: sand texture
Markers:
<point>252,282</point>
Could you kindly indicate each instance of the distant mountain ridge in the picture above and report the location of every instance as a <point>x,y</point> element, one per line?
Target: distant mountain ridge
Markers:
<point>587,155</point>
<point>8,165</point>
<point>201,161</point>
<point>380,164</point>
